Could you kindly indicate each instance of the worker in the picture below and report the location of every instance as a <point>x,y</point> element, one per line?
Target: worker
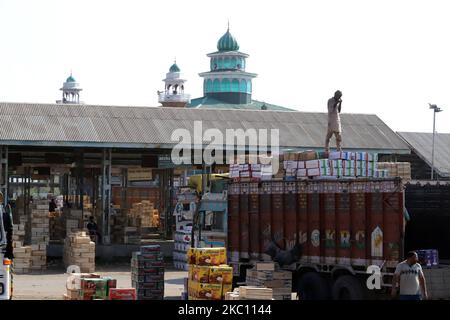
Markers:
<point>409,276</point>
<point>334,121</point>
<point>93,229</point>
<point>52,205</point>
<point>6,230</point>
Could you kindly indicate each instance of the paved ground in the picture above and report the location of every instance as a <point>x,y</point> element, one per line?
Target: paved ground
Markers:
<point>52,284</point>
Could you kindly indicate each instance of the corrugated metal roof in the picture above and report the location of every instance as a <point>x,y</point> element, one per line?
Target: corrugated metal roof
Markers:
<point>92,125</point>
<point>422,143</point>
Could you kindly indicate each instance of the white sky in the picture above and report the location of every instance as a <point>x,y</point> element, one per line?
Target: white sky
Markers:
<point>388,57</point>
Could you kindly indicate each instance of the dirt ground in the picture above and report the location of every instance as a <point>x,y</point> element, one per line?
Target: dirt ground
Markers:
<point>51,285</point>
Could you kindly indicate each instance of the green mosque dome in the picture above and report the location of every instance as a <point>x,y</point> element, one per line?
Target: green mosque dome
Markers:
<point>174,68</point>
<point>227,42</point>
<point>70,79</point>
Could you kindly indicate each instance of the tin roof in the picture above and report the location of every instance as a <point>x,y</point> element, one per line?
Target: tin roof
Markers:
<point>152,127</point>
<point>421,143</point>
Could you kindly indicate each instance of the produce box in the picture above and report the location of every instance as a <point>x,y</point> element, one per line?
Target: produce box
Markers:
<point>200,274</point>
<point>221,274</point>
<point>210,256</point>
<point>209,291</point>
<point>122,294</point>
<point>92,288</point>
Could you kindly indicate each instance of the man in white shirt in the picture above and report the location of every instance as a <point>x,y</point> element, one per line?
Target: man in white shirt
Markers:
<point>409,276</point>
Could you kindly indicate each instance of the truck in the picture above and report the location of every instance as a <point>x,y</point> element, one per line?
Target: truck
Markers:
<point>332,233</point>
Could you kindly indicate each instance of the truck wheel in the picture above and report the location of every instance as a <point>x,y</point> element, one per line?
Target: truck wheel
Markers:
<point>348,288</point>
<point>311,286</point>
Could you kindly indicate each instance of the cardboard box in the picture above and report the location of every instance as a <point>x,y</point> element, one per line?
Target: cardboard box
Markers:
<point>221,274</point>
<point>312,164</point>
<point>209,291</point>
<point>307,155</point>
<point>209,256</point>
<point>122,294</point>
<point>313,172</point>
<point>200,274</point>
<point>302,172</point>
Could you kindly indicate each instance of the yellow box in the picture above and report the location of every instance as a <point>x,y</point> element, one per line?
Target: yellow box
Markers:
<point>191,256</point>
<point>221,274</point>
<point>209,256</point>
<point>200,274</point>
<point>209,291</point>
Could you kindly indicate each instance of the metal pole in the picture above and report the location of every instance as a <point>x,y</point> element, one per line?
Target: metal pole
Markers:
<point>432,148</point>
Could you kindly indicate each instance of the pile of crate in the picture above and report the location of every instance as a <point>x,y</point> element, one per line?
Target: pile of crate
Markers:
<point>79,250</point>
<point>40,235</point>
<point>22,260</point>
<point>209,277</point>
<point>144,214</point>
<point>147,273</point>
<point>268,275</point>
<point>396,169</point>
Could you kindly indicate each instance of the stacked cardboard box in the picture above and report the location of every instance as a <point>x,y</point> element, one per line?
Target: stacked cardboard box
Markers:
<point>396,169</point>
<point>209,277</point>
<point>89,287</point>
<point>39,222</point>
<point>147,273</point>
<point>144,214</point>
<point>182,242</point>
<point>266,275</point>
<point>22,260</point>
<point>18,235</point>
<point>79,250</point>
<point>40,235</point>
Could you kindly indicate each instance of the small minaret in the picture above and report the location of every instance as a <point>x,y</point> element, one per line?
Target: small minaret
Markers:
<point>173,94</point>
<point>70,91</point>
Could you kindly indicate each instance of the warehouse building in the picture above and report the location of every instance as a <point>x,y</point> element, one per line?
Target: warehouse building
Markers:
<point>110,162</point>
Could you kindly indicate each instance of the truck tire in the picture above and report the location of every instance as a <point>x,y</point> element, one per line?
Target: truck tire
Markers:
<point>311,286</point>
<point>348,288</point>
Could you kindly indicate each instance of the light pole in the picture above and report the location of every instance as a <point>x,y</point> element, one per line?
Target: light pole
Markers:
<point>435,110</point>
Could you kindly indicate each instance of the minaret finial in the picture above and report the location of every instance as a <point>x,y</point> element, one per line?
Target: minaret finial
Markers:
<point>228,25</point>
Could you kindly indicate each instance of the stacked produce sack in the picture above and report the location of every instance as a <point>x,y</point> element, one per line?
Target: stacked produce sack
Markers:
<point>209,277</point>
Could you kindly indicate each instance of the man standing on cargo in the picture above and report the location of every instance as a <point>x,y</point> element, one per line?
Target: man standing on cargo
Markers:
<point>334,121</point>
<point>409,276</point>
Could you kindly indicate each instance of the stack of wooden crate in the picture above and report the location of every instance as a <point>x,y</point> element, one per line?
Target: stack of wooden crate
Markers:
<point>266,274</point>
<point>40,235</point>
<point>396,169</point>
<point>22,260</point>
<point>39,222</point>
<point>18,235</point>
<point>80,250</point>
<point>38,257</point>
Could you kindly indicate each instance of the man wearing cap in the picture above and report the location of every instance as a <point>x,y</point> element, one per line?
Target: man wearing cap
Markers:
<point>334,121</point>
